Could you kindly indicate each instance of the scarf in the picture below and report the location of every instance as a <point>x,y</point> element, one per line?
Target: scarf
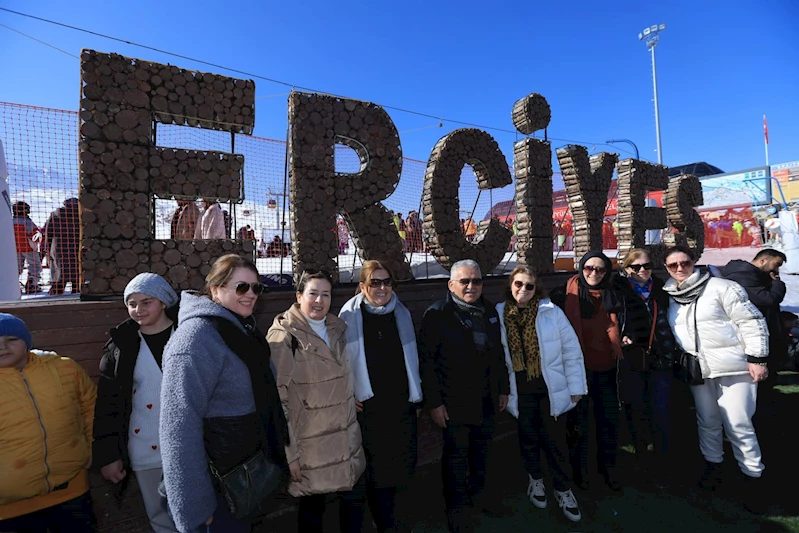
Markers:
<point>573,311</point>
<point>642,290</point>
<point>475,321</point>
<point>252,349</point>
<point>522,337</point>
<point>689,290</point>
<point>587,293</point>
<point>351,314</point>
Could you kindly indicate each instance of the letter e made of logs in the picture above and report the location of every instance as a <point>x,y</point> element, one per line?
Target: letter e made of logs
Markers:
<point>121,170</point>
<point>635,179</point>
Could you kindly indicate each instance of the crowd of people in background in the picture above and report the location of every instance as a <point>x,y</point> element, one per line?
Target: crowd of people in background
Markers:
<point>57,245</point>
<point>211,415</point>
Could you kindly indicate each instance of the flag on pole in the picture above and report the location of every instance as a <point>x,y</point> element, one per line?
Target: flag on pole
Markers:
<point>765,128</point>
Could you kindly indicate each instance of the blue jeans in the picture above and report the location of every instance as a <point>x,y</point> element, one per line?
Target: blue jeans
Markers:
<point>647,396</point>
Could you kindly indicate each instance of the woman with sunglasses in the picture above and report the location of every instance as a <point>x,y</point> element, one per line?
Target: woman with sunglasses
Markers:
<point>592,307</point>
<point>219,401</point>
<point>547,379</point>
<point>314,380</point>
<point>381,345</point>
<point>713,319</point>
<point>646,373</point>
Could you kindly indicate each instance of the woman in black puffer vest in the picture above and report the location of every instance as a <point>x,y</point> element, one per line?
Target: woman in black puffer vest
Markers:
<point>646,392</point>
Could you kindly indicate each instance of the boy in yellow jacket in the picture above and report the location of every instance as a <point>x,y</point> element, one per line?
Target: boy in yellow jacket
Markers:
<point>46,415</point>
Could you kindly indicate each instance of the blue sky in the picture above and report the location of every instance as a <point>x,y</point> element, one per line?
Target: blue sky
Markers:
<point>721,64</point>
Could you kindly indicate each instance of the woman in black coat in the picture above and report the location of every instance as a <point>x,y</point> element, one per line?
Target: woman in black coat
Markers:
<point>646,383</point>
<point>381,346</point>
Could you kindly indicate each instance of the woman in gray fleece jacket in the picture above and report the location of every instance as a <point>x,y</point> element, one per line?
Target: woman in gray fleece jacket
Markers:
<point>209,408</point>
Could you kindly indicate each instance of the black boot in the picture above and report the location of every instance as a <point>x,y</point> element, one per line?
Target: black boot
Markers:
<point>459,521</point>
<point>610,479</point>
<point>753,496</point>
<point>711,477</point>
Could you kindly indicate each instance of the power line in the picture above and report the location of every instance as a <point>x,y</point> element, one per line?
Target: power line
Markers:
<point>39,41</point>
<point>270,80</point>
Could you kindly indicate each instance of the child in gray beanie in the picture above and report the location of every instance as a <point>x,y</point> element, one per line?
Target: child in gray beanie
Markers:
<point>151,285</point>
<point>126,417</point>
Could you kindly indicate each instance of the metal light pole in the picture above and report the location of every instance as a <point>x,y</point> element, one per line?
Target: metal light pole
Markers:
<point>652,36</point>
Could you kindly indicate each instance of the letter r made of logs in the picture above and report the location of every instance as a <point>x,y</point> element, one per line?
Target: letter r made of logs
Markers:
<point>318,193</point>
<point>122,171</point>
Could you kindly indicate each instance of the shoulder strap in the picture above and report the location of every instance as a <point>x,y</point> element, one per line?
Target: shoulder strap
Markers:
<point>294,344</point>
<point>696,328</point>
<point>654,321</point>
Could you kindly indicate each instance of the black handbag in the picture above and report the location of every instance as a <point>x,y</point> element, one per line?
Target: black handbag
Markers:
<point>687,368</point>
<point>248,485</point>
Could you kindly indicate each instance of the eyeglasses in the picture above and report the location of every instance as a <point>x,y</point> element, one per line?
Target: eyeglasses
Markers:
<point>638,268</point>
<point>375,282</point>
<point>598,270</point>
<point>242,288</point>
<point>681,264</point>
<point>519,284</point>
<point>474,281</point>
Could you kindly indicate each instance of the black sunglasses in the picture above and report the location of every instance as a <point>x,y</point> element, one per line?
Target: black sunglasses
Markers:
<point>375,282</point>
<point>598,270</point>
<point>474,281</point>
<point>242,288</point>
<point>519,284</point>
<point>645,266</point>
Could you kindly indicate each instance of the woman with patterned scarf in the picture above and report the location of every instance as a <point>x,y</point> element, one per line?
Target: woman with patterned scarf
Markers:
<point>547,379</point>
<point>592,307</point>
<point>713,319</point>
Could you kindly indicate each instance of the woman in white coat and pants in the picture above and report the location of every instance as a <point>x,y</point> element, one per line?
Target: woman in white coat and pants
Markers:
<point>714,321</point>
<point>547,379</point>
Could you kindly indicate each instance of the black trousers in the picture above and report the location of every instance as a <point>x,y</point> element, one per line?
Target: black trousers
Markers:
<point>464,461</point>
<point>73,516</point>
<point>603,392</point>
<point>539,430</point>
<point>312,510</point>
<point>381,502</point>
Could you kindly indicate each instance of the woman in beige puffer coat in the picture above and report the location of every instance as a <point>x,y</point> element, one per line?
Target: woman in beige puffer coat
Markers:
<point>313,378</point>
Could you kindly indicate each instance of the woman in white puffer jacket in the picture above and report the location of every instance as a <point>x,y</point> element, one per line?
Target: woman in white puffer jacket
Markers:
<point>547,379</point>
<point>714,320</point>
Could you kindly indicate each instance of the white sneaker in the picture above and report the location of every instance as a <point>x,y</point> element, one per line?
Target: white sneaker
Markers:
<point>537,492</point>
<point>568,503</point>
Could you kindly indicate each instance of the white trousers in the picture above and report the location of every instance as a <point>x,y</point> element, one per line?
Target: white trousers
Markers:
<point>154,504</point>
<point>728,402</point>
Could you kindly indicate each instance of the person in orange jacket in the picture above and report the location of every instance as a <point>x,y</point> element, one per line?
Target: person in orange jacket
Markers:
<point>46,417</point>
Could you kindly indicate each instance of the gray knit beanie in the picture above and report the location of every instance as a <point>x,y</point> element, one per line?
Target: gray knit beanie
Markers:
<point>151,285</point>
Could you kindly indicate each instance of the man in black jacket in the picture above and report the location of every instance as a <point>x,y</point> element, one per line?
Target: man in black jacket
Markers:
<point>761,280</point>
<point>465,384</point>
<point>127,411</point>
